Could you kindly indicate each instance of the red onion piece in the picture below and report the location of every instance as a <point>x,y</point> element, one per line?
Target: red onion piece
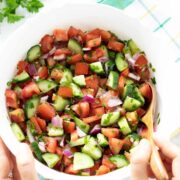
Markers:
<point>130,60</point>
<point>80,132</point>
<point>51,52</point>
<point>115,101</point>
<point>96,129</point>
<point>68,153</point>
<point>134,76</point>
<point>88,98</point>
<point>42,146</point>
<point>44,99</point>
<point>57,121</point>
<point>32,70</point>
<point>103,59</point>
<point>62,142</point>
<point>60,57</point>
<point>86,49</point>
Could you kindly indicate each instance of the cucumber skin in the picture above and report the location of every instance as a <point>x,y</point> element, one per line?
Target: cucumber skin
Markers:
<point>121,63</point>
<point>131,104</point>
<point>20,78</point>
<point>112,81</point>
<point>119,160</point>
<point>74,46</point>
<point>30,51</point>
<point>17,132</point>
<point>46,85</point>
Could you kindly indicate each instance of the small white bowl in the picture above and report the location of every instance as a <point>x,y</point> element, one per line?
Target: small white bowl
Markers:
<point>86,17</point>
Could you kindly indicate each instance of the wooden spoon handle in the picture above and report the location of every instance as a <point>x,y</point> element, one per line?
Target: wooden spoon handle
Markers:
<point>157,165</point>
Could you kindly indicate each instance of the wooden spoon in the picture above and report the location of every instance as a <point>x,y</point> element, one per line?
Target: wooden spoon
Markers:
<point>156,163</point>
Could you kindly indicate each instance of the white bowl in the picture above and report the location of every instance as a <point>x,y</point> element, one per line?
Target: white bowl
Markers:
<point>86,17</point>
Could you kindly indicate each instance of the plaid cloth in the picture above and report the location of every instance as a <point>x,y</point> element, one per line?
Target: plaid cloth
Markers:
<point>160,21</point>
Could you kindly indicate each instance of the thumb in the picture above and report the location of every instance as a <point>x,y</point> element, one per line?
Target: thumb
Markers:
<point>25,163</point>
<point>140,161</point>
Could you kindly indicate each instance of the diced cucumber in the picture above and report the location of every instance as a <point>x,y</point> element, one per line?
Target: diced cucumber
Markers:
<point>121,63</point>
<point>60,103</point>
<point>119,160</point>
<point>92,151</point>
<point>79,80</point>
<point>110,118</point>
<point>132,91</point>
<point>129,81</point>
<point>124,126</point>
<point>54,131</point>
<point>91,140</point>
<point>131,104</point>
<point>109,66</point>
<point>51,159</point>
<point>17,89</point>
<point>36,150</point>
<point>34,53</point>
<point>17,131</point>
<point>133,47</point>
<point>76,90</point>
<point>85,173</point>
<point>78,142</point>
<point>67,77</point>
<point>104,48</point>
<point>82,161</point>
<point>31,106</point>
<point>21,77</point>
<point>97,67</point>
<point>46,85</point>
<point>112,81</point>
<point>126,49</point>
<point>82,125</point>
<point>102,141</point>
<point>74,46</point>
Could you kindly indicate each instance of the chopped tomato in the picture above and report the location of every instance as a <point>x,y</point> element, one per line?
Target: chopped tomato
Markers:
<point>43,72</point>
<point>127,143</point>
<point>125,72</point>
<point>87,91</point>
<point>68,126</point>
<point>91,119</point>
<point>56,74</point>
<point>51,62</point>
<point>98,111</point>
<point>94,168</point>
<point>84,109</point>
<point>46,111</point>
<point>103,82</point>
<point>141,61</point>
<point>60,35</point>
<point>59,151</point>
<point>36,125</point>
<point>22,66</point>
<point>76,109</point>
<point>81,68</point>
<point>121,84</point>
<point>60,51</point>
<point>92,34</point>
<point>93,42</point>
<point>70,170</point>
<point>29,90</point>
<point>46,43</point>
<point>41,123</point>
<point>110,132</point>
<point>97,103</point>
<point>102,170</point>
<point>108,163</point>
<point>92,82</point>
<point>74,135</point>
<point>116,46</point>
<point>141,112</point>
<point>115,145</point>
<point>51,144</point>
<point>99,52</point>
<point>67,161</point>
<point>11,98</point>
<point>144,73</point>
<point>65,92</point>
<point>75,58</point>
<point>146,91</point>
<point>72,32</point>
<point>105,35</point>
<point>17,115</point>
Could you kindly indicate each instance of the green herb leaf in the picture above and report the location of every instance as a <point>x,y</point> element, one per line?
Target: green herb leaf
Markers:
<point>12,18</point>
<point>153,80</point>
<point>1,17</point>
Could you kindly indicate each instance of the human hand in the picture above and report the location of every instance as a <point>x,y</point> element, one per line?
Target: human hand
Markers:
<point>21,165</point>
<point>170,154</point>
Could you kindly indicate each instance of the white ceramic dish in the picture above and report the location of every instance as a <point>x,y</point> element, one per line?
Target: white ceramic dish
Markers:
<point>88,16</point>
